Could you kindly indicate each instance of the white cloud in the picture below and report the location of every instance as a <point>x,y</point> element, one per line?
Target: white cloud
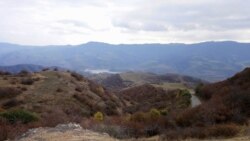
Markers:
<point>42,22</point>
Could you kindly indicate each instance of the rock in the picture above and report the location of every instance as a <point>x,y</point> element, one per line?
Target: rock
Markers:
<point>64,132</point>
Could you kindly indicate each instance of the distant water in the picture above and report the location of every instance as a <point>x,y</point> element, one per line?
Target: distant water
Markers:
<point>96,71</point>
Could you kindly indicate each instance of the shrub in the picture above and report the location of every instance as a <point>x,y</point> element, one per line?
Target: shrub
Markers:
<point>27,81</point>
<point>11,103</point>
<point>19,115</point>
<point>78,89</point>
<point>164,112</point>
<point>4,73</point>
<point>223,130</point>
<point>154,113</point>
<point>23,73</point>
<point>45,69</point>
<point>9,92</point>
<point>113,130</point>
<point>98,116</point>
<point>185,93</point>
<point>198,88</point>
<point>59,90</point>
<point>77,76</point>
<point>138,117</point>
<point>3,130</point>
<point>152,130</point>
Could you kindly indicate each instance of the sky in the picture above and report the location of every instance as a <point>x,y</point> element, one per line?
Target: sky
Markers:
<point>57,22</point>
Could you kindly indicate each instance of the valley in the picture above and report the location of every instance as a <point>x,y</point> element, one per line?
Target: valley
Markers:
<point>133,70</point>
<point>131,104</point>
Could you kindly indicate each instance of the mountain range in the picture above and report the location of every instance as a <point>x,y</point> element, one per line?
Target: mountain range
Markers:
<point>212,61</point>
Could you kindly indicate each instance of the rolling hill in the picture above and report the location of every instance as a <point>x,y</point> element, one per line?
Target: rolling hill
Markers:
<point>120,81</point>
<point>52,93</point>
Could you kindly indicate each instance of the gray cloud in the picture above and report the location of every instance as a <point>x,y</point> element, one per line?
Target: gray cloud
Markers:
<point>118,21</point>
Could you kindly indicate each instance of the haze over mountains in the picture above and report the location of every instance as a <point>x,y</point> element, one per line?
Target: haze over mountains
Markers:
<point>211,61</point>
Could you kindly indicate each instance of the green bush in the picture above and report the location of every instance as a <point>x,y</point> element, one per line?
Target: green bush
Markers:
<point>164,112</point>
<point>19,115</point>
<point>185,93</point>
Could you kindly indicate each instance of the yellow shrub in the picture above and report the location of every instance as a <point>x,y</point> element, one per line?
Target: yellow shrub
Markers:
<point>98,116</point>
<point>154,113</point>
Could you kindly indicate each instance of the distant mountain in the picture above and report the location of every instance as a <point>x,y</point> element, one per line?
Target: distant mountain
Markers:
<point>18,68</point>
<point>212,61</point>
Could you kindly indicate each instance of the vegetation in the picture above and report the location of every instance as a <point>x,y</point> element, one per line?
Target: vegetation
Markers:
<point>23,116</point>
<point>27,81</point>
<point>77,76</point>
<point>98,116</point>
<point>9,92</point>
<point>139,111</point>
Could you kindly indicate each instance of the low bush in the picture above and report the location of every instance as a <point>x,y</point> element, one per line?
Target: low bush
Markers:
<point>27,81</point>
<point>223,130</point>
<point>5,73</point>
<point>45,69</point>
<point>98,116</point>
<point>78,89</point>
<point>19,115</point>
<point>220,130</point>
<point>77,76</point>
<point>23,73</point>
<point>11,103</point>
<point>9,92</point>
<point>59,90</point>
<point>113,130</point>
<point>154,113</point>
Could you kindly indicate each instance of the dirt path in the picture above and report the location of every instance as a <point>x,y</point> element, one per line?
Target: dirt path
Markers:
<point>195,101</point>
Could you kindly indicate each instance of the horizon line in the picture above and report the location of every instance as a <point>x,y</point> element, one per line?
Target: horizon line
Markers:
<point>100,42</point>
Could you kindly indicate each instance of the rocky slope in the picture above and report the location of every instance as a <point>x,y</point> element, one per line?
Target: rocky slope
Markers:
<point>64,132</point>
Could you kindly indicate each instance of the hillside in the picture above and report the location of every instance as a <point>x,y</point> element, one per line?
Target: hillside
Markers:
<point>225,103</point>
<point>28,100</point>
<point>144,111</point>
<point>64,94</point>
<point>236,84</point>
<point>50,97</point>
<point>145,97</point>
<point>120,81</point>
<point>211,61</point>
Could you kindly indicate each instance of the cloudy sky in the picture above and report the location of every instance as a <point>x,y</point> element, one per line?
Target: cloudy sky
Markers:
<point>43,22</point>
